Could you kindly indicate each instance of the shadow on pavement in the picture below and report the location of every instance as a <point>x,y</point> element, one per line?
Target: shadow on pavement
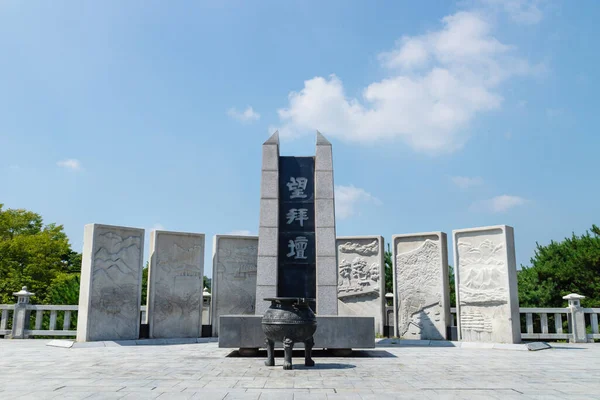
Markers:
<point>318,354</point>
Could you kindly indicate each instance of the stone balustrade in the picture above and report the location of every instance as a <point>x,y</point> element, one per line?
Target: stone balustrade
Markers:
<point>16,320</point>
<point>574,323</point>
<point>547,324</point>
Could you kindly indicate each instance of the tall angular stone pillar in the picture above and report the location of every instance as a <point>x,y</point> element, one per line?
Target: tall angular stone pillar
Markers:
<point>266,267</point>
<point>327,271</point>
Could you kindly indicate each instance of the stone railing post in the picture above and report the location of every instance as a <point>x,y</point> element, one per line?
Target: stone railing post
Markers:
<point>21,315</point>
<point>577,317</point>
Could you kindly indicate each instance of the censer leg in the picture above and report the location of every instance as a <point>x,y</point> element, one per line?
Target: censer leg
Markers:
<point>270,353</point>
<point>308,345</point>
<point>288,347</point>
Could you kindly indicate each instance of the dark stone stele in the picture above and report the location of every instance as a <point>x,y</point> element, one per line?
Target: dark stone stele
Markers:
<point>289,320</point>
<point>297,272</point>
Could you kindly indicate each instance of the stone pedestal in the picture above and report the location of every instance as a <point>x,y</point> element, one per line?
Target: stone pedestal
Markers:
<point>175,284</point>
<point>486,285</point>
<point>333,332</point>
<point>234,276</point>
<point>361,278</point>
<point>422,299</point>
<point>111,283</point>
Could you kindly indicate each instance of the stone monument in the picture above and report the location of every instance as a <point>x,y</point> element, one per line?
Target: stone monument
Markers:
<point>175,284</point>
<point>297,251</point>
<point>111,283</point>
<point>421,293</point>
<point>361,279</point>
<point>234,276</point>
<point>486,285</point>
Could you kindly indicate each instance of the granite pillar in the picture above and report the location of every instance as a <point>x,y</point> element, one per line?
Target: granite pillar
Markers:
<point>361,276</point>
<point>175,284</point>
<point>111,283</point>
<point>487,300</point>
<point>234,277</point>
<point>421,290</point>
<point>266,265</point>
<point>326,252</point>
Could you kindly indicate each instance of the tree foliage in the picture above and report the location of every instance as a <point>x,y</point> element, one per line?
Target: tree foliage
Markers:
<point>452,284</point>
<point>389,274</point>
<point>32,254</point>
<point>560,268</point>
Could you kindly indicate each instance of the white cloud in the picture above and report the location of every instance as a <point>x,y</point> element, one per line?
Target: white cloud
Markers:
<point>240,232</point>
<point>500,204</point>
<point>554,112</point>
<point>248,115</point>
<point>465,182</point>
<point>158,227</point>
<point>438,83</point>
<point>70,163</point>
<point>348,198</point>
<point>525,12</point>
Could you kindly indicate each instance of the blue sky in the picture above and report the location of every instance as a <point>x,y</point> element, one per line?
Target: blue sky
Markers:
<point>442,115</point>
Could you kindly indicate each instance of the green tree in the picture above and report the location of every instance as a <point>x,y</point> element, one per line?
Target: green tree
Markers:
<point>389,274</point>
<point>452,284</point>
<point>560,268</point>
<point>207,282</point>
<point>63,289</point>
<point>32,254</point>
<point>144,284</point>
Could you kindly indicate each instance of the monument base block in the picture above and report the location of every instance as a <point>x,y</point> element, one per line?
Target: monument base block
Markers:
<point>333,332</point>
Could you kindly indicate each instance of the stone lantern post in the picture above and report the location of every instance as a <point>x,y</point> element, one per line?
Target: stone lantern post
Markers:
<point>577,318</point>
<point>21,314</point>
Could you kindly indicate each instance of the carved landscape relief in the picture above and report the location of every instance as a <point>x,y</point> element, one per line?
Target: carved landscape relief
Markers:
<point>360,279</point>
<point>177,279</point>
<point>482,287</point>
<point>234,277</point>
<point>420,294</point>
<point>359,268</point>
<point>116,282</point>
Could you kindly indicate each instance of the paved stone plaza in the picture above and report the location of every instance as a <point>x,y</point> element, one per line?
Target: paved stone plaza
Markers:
<point>32,370</point>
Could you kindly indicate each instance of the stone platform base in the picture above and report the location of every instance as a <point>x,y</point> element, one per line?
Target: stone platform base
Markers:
<point>333,332</point>
<point>532,346</point>
<point>72,344</point>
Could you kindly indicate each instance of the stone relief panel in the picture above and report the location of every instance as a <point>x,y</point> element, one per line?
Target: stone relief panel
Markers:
<point>361,279</point>
<point>116,279</point>
<point>234,277</point>
<point>482,284</point>
<point>420,286</point>
<point>175,284</point>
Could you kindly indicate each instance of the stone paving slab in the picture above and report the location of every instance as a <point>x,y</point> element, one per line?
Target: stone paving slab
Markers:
<point>32,370</point>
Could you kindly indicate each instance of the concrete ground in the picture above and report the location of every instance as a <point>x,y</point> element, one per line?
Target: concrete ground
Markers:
<point>31,370</point>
